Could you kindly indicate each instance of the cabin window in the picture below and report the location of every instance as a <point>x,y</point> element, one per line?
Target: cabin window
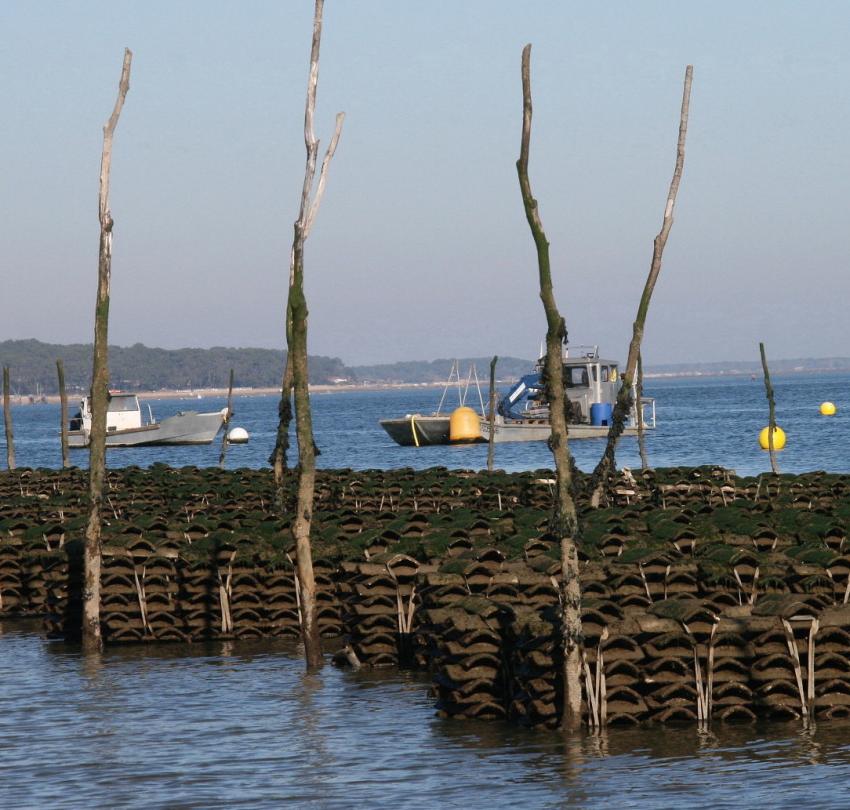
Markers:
<point>119,404</point>
<point>604,373</point>
<point>576,377</point>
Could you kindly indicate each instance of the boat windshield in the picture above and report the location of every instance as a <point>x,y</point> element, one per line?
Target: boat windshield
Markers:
<point>576,377</point>
<point>123,403</point>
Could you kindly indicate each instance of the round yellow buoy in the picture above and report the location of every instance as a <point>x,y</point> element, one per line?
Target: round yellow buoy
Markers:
<point>778,439</point>
<point>827,408</point>
<point>464,425</point>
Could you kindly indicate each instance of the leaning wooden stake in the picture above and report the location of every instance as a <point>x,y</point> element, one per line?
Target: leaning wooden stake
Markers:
<point>491,415</point>
<point>7,421</point>
<point>63,413</point>
<point>297,355</point>
<point>771,406</point>
<point>623,406</point>
<point>644,458</point>
<point>91,637</point>
<point>564,520</point>
<point>224,441</point>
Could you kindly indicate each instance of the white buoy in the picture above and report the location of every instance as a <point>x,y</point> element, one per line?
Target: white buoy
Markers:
<point>238,435</point>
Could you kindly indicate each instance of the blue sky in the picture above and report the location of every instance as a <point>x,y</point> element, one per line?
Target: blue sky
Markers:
<point>421,249</point>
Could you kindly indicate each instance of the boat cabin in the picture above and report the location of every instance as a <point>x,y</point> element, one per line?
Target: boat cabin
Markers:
<point>589,380</point>
<point>122,413</point>
<point>591,384</point>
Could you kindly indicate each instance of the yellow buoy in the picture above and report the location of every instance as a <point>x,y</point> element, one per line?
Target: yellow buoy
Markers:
<point>778,439</point>
<point>464,425</point>
<point>827,408</point>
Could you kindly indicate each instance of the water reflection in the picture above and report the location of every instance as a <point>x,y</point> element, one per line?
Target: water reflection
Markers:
<point>241,724</point>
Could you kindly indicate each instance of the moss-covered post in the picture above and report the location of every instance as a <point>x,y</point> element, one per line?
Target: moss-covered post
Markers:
<point>224,441</point>
<point>92,641</point>
<point>278,458</point>
<point>625,396</point>
<point>63,413</point>
<point>771,409</point>
<point>297,355</point>
<point>7,421</point>
<point>491,415</point>
<point>641,428</point>
<point>564,522</point>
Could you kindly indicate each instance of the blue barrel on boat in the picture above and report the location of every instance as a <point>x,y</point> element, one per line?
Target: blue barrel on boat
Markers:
<point>601,413</point>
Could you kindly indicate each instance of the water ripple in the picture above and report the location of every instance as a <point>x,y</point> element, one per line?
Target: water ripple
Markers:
<point>242,725</point>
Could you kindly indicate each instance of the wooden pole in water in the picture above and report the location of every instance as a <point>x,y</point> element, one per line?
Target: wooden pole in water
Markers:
<point>63,413</point>
<point>771,406</point>
<point>224,441</point>
<point>491,414</point>
<point>284,413</point>
<point>564,520</point>
<point>91,636</point>
<point>297,355</point>
<point>644,458</point>
<point>605,467</point>
<point>7,421</point>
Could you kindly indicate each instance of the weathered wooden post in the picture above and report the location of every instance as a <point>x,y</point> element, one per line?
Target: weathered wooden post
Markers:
<point>565,522</point>
<point>63,413</point>
<point>91,637</point>
<point>491,414</point>
<point>605,467</point>
<point>224,441</point>
<point>771,407</point>
<point>284,415</point>
<point>297,354</point>
<point>7,421</point>
<point>641,428</point>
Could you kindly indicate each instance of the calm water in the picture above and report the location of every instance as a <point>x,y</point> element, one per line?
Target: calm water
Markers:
<point>238,724</point>
<point>700,421</point>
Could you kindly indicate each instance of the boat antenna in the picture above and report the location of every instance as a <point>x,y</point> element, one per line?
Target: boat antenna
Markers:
<point>446,386</point>
<point>474,371</point>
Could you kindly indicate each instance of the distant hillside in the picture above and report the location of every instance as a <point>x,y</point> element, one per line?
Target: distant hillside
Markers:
<point>33,367</point>
<point>420,371</point>
<point>511,368</point>
<point>33,364</point>
<point>733,367</point>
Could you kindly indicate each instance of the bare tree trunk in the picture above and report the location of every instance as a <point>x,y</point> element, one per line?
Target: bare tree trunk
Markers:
<point>564,522</point>
<point>92,641</point>
<point>491,415</point>
<point>224,442</point>
<point>297,355</point>
<point>7,421</point>
<point>771,405</point>
<point>623,406</point>
<point>644,458</point>
<point>63,413</point>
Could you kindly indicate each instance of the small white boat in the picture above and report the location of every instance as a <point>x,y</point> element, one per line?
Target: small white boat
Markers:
<point>125,426</point>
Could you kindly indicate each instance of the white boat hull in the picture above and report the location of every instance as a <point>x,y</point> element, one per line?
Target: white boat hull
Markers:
<point>188,427</point>
<point>540,431</point>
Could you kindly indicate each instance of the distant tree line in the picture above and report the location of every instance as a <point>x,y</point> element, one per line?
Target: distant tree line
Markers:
<point>419,371</point>
<point>33,367</point>
<point>138,367</point>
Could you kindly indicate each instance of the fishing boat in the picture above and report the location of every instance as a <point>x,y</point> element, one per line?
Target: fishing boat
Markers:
<point>591,385</point>
<point>125,426</point>
<point>417,430</point>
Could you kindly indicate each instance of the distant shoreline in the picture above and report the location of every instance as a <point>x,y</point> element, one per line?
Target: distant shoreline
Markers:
<point>204,393</point>
<point>327,388</point>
